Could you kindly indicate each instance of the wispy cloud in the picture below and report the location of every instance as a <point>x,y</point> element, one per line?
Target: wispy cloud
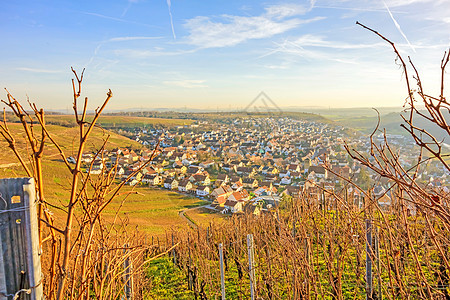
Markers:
<point>286,10</point>
<point>398,27</point>
<point>317,41</point>
<point>361,9</point>
<point>133,38</point>
<point>294,48</point>
<point>299,47</point>
<point>274,67</point>
<point>32,70</point>
<point>133,53</point>
<point>119,39</point>
<point>169,6</point>
<point>186,83</point>
<point>232,30</point>
<point>309,40</point>
<point>395,3</point>
<point>117,19</point>
<point>125,11</point>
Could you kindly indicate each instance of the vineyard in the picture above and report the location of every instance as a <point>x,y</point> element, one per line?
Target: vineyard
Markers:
<point>320,248</point>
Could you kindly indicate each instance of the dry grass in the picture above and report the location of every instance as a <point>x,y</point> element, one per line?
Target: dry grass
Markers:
<point>119,121</point>
<point>154,211</point>
<point>203,217</point>
<point>64,136</point>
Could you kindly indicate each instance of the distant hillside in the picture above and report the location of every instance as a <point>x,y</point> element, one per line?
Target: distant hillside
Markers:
<point>179,117</point>
<point>67,137</point>
<point>365,120</point>
<point>337,113</point>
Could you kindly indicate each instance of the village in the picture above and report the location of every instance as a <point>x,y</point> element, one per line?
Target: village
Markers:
<point>252,164</point>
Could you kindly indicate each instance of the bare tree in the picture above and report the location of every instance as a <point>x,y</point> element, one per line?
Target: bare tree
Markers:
<point>86,256</point>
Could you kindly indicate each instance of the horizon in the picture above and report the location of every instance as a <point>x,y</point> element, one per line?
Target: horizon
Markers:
<point>306,109</point>
<point>219,56</point>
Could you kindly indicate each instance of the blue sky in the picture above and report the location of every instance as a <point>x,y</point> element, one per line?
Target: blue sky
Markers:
<point>219,54</point>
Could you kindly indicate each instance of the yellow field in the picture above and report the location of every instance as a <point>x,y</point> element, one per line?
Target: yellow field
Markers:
<point>203,216</point>
<point>119,121</point>
<point>67,138</point>
<point>152,210</point>
<point>155,211</point>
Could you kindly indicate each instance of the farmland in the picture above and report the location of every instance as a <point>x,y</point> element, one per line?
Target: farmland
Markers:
<point>153,210</point>
<point>121,121</point>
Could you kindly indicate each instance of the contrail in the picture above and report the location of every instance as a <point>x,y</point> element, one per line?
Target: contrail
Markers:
<point>398,27</point>
<point>95,54</point>
<point>171,19</point>
<point>126,9</point>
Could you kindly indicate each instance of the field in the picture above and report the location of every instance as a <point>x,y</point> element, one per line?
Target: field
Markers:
<point>66,138</point>
<point>154,211</point>
<point>120,121</point>
<point>203,217</point>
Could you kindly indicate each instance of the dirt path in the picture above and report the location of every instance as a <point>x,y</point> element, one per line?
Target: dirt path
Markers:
<point>182,212</point>
<point>182,215</point>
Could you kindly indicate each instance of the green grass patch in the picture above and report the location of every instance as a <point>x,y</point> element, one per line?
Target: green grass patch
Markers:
<point>166,281</point>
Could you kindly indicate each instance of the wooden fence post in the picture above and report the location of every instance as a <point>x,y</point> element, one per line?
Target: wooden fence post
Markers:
<point>127,275</point>
<point>369,251</point>
<point>251,266</point>
<point>20,262</point>
<point>222,273</point>
<point>377,255</point>
<point>174,258</point>
<point>308,266</point>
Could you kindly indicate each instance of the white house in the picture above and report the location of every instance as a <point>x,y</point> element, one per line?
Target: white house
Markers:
<point>233,206</point>
<point>202,191</point>
<point>286,180</point>
<point>184,185</point>
<point>170,184</point>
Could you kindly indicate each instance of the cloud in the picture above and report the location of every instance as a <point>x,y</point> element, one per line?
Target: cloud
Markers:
<point>133,38</point>
<point>273,67</point>
<point>95,54</point>
<point>318,41</point>
<point>116,19</point>
<point>232,30</point>
<point>133,53</point>
<point>395,3</point>
<point>287,10</point>
<point>296,49</point>
<point>32,70</point>
<point>357,9</point>
<point>186,83</point>
<point>119,39</point>
<point>126,9</point>
<point>370,3</point>
<point>309,40</point>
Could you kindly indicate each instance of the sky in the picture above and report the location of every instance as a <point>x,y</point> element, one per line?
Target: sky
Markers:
<point>219,54</point>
